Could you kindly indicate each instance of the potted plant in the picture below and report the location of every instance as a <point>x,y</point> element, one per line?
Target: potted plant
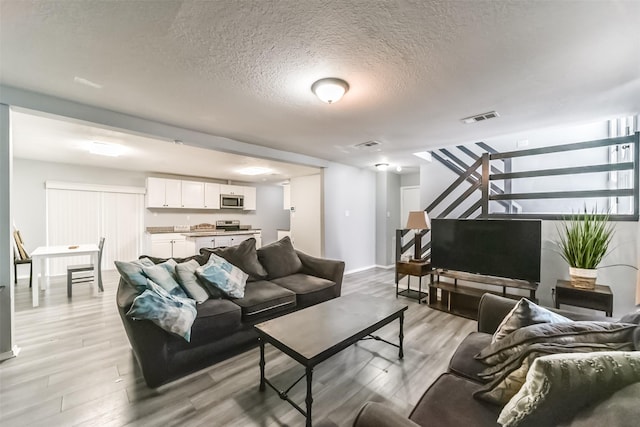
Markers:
<point>584,241</point>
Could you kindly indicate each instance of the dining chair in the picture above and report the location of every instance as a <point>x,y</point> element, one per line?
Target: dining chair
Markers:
<point>20,256</point>
<point>80,268</point>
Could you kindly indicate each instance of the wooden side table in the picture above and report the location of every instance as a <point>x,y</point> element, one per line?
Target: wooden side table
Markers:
<point>600,298</point>
<point>408,268</point>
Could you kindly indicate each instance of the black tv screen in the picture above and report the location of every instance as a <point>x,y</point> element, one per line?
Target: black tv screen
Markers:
<point>493,247</point>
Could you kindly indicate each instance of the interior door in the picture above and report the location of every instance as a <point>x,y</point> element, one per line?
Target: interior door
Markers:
<point>306,214</point>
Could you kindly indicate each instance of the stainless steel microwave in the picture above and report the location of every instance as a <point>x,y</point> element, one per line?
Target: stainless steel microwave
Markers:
<point>231,201</point>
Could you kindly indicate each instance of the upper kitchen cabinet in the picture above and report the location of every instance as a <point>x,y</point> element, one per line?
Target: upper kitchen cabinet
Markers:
<point>234,190</point>
<point>193,194</point>
<point>164,193</point>
<point>211,195</point>
<point>249,194</point>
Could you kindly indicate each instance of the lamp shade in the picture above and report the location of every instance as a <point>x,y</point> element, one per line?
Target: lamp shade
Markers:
<point>418,220</point>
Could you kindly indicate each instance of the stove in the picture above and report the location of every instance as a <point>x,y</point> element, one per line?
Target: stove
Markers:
<point>228,225</point>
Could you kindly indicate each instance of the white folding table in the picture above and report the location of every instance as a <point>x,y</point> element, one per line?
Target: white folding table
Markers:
<point>41,253</point>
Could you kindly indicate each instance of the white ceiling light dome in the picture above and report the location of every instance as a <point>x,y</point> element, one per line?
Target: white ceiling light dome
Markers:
<point>330,90</point>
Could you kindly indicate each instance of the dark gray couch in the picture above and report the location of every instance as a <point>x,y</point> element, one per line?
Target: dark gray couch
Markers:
<point>224,327</point>
<point>449,402</point>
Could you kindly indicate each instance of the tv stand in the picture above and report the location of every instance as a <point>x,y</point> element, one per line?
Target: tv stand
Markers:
<point>463,300</point>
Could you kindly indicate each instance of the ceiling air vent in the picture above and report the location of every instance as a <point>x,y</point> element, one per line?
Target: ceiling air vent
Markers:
<point>481,117</point>
<point>368,146</point>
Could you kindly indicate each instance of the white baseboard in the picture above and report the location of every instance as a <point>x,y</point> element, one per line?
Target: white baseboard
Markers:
<point>386,267</point>
<point>10,354</point>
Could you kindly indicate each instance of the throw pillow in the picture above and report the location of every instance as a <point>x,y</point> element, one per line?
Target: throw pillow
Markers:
<point>132,272</point>
<point>619,410</point>
<point>280,258</point>
<point>244,256</point>
<point>525,313</point>
<point>563,333</point>
<point>187,278</point>
<point>633,317</point>
<point>509,376</point>
<point>559,385</point>
<point>225,276</point>
<point>164,275</point>
<point>173,314</point>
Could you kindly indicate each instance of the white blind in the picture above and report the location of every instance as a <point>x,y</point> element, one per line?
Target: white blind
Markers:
<point>83,216</point>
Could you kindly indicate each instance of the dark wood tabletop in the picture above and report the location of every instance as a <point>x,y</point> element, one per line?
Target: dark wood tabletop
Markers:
<point>315,333</point>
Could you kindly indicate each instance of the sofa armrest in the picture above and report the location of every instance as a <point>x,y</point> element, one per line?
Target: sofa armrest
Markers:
<point>374,414</point>
<point>491,310</point>
<point>324,268</point>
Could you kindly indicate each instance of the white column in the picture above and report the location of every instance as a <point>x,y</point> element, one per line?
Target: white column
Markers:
<point>8,348</point>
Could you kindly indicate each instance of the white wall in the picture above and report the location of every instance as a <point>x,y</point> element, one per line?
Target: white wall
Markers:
<point>29,201</point>
<point>349,208</point>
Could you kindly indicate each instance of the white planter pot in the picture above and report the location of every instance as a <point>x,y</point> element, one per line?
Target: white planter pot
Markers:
<point>584,278</point>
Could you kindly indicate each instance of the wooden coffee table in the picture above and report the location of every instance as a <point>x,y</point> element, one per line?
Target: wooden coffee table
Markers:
<point>312,335</point>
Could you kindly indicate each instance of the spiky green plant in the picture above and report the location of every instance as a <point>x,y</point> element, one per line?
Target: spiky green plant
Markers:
<point>584,239</point>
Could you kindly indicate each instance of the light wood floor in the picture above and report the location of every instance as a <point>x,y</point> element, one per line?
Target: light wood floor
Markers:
<point>76,368</point>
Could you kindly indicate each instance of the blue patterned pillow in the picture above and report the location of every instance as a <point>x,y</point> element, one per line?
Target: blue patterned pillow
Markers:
<point>132,272</point>
<point>164,276</point>
<point>223,275</point>
<point>171,313</point>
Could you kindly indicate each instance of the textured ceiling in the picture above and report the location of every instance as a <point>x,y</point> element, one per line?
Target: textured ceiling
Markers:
<point>243,69</point>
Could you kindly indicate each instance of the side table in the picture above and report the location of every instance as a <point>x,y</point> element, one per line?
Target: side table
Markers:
<point>600,298</point>
<point>409,269</point>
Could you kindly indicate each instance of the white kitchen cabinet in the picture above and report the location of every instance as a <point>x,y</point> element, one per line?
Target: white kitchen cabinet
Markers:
<point>236,190</point>
<point>164,193</point>
<point>211,195</point>
<point>168,245</point>
<point>249,194</point>
<point>219,241</point>
<point>192,194</point>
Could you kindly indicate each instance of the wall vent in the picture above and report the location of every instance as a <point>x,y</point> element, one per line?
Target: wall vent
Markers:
<point>369,145</point>
<point>480,117</point>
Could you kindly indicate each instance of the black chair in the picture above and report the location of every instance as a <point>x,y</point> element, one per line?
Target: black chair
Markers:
<point>20,256</point>
<point>72,269</point>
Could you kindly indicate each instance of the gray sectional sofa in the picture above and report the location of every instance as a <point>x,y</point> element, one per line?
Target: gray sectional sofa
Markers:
<point>224,327</point>
<point>449,402</point>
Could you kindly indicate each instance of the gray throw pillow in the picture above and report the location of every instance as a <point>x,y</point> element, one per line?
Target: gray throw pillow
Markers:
<point>225,276</point>
<point>187,278</point>
<point>279,258</point>
<point>558,386</point>
<point>562,333</point>
<point>525,313</point>
<point>244,256</point>
<point>132,272</point>
<point>633,317</point>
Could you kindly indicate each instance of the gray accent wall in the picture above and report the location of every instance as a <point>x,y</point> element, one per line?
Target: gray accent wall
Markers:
<point>349,215</point>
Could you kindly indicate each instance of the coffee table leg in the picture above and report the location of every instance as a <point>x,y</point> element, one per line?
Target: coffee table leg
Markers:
<point>401,353</point>
<point>309,400</point>
<point>262,387</point>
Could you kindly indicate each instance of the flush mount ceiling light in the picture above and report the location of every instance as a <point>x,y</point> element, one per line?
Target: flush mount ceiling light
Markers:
<point>106,149</point>
<point>330,90</point>
<point>382,166</point>
<point>254,170</point>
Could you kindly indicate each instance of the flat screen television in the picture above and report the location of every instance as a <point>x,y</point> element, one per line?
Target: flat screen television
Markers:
<point>494,247</point>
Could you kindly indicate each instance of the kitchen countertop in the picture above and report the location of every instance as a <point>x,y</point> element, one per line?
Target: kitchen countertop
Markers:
<point>220,233</point>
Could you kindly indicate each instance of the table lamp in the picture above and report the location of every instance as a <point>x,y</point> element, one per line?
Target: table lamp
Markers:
<point>418,221</point>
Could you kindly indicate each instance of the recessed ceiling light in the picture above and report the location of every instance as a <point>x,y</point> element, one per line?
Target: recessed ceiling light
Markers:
<point>106,149</point>
<point>382,166</point>
<point>330,90</point>
<point>425,155</point>
<point>254,170</point>
<point>398,168</point>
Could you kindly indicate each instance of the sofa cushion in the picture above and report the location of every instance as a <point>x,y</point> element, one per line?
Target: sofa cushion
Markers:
<point>619,410</point>
<point>525,313</point>
<point>263,297</point>
<point>463,363</point>
<point>449,402</point>
<point>215,318</point>
<point>202,260</point>
<point>558,386</point>
<point>244,256</point>
<point>279,258</point>
<point>309,290</point>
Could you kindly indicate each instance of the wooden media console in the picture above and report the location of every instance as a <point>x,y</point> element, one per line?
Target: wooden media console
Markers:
<point>463,300</point>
